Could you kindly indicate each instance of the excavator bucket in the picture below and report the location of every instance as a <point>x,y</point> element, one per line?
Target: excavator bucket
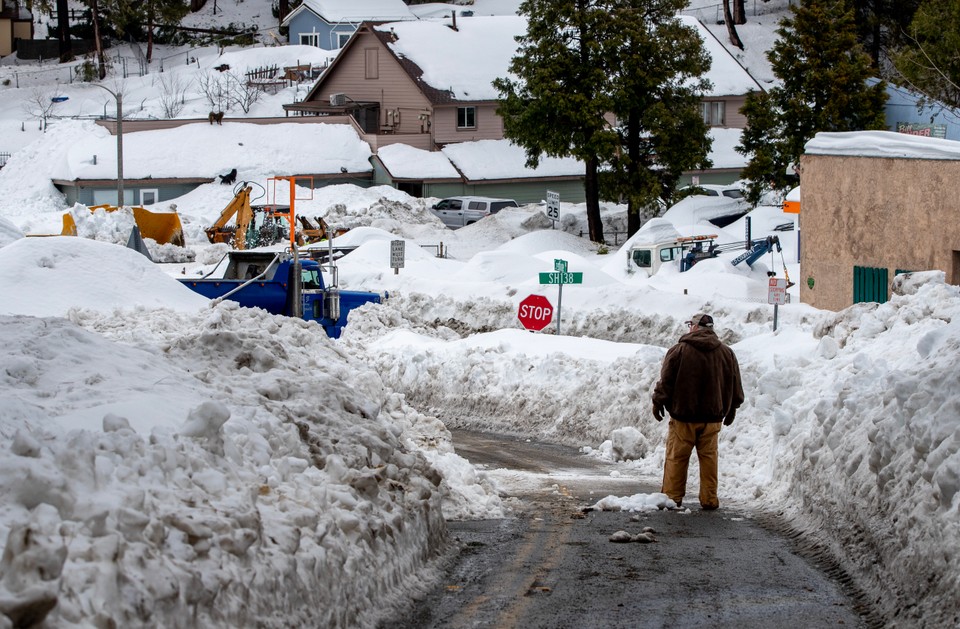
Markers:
<point>164,227</point>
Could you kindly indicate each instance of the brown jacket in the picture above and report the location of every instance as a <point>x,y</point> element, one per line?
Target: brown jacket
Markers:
<point>699,379</point>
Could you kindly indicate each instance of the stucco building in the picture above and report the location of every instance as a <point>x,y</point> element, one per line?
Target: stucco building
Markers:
<point>875,203</point>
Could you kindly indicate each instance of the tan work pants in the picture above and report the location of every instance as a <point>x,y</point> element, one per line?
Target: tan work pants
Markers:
<point>682,438</point>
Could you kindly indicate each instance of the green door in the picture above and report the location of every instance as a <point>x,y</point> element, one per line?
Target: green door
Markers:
<point>869,284</point>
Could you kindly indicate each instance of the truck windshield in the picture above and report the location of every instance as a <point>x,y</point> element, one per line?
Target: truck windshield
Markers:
<point>641,257</point>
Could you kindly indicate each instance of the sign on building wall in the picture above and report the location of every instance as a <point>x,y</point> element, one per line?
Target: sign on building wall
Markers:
<point>926,130</point>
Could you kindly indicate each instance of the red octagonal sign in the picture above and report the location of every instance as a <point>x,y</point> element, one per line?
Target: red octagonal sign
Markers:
<point>535,312</point>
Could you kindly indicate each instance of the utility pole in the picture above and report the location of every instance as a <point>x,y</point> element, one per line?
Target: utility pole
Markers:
<point>118,96</point>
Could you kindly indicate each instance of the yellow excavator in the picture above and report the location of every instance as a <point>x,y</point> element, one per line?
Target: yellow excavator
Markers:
<point>163,227</point>
<point>259,225</point>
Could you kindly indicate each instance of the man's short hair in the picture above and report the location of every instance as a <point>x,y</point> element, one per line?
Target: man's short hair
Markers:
<point>701,319</point>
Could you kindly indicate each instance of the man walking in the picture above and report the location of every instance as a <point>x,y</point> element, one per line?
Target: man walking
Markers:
<point>700,387</point>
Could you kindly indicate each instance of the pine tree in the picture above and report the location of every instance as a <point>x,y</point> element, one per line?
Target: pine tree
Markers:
<point>656,69</point>
<point>557,103</point>
<point>583,60</point>
<point>823,72</point>
<point>930,61</point>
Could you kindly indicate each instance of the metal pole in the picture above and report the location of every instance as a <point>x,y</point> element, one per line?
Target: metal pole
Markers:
<point>119,98</point>
<point>120,199</point>
<point>775,307</point>
<point>559,305</point>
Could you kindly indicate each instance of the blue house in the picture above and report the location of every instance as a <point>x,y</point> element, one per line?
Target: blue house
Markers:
<point>328,24</point>
<point>905,114</point>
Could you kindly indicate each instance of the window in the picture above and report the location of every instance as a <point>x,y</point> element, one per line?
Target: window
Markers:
<point>342,39</point>
<point>109,197</point>
<point>714,112</point>
<point>666,255</point>
<point>477,205</point>
<point>466,117</point>
<point>310,39</point>
<point>641,257</point>
<point>371,64</point>
<point>148,196</point>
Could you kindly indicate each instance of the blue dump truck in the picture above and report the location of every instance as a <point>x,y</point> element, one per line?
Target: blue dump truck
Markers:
<point>265,279</point>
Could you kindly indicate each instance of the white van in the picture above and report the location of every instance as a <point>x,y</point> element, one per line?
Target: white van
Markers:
<point>459,211</point>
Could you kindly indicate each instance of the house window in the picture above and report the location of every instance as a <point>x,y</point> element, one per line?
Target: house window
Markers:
<point>108,196</point>
<point>466,117</point>
<point>342,39</point>
<point>148,196</point>
<point>310,39</point>
<point>714,112</point>
<point>371,64</point>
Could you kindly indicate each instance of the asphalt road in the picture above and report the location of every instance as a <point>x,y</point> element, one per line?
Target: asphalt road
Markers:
<point>554,564</point>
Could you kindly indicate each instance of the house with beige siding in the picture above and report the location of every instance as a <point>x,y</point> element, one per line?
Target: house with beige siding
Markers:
<point>428,84</point>
<point>16,22</point>
<point>874,204</point>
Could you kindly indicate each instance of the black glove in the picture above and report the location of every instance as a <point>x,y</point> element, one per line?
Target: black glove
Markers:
<point>658,411</point>
<point>729,418</point>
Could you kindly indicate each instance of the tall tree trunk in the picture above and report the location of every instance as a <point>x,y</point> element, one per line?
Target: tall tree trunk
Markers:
<point>633,153</point>
<point>97,41</point>
<point>739,11</point>
<point>731,29</point>
<point>63,31</point>
<point>591,185</point>
<point>150,21</point>
<point>284,8</point>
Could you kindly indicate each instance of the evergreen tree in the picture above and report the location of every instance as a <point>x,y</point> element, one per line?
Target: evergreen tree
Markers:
<point>656,67</point>
<point>583,60</point>
<point>930,61</point>
<point>557,103</point>
<point>823,72</point>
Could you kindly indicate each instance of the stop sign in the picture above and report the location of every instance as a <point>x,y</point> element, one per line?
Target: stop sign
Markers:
<point>535,312</point>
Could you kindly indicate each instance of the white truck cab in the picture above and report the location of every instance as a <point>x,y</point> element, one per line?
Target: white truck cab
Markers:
<point>685,251</point>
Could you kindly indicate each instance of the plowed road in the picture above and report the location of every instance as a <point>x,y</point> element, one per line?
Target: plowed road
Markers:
<point>554,565</point>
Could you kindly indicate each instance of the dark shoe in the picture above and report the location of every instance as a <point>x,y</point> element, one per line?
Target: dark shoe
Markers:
<point>709,507</point>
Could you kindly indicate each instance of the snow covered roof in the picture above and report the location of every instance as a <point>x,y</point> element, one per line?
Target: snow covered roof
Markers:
<point>728,77</point>
<point>406,162</point>
<point>723,150</point>
<point>882,144</point>
<point>464,61</point>
<point>467,60</point>
<point>501,159</point>
<point>204,150</point>
<point>354,12</point>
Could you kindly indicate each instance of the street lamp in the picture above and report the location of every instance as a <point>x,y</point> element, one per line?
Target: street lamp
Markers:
<point>118,95</point>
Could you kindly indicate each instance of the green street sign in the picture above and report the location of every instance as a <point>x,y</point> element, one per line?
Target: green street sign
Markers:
<point>560,265</point>
<point>561,278</point>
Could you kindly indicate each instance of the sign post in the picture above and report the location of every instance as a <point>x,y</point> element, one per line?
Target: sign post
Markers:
<point>553,207</point>
<point>535,312</point>
<point>560,276</point>
<point>396,255</point>
<point>776,295</point>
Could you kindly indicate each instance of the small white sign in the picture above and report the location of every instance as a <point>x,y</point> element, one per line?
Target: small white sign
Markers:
<point>777,291</point>
<point>396,254</point>
<point>553,205</point>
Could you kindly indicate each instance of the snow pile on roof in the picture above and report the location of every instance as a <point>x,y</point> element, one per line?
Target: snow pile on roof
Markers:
<point>205,150</point>
<point>726,74</point>
<point>403,161</point>
<point>723,152</point>
<point>501,159</point>
<point>352,11</point>
<point>882,144</point>
<point>464,61</point>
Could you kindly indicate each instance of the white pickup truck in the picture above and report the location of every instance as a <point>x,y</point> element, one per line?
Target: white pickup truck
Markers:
<point>459,211</point>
